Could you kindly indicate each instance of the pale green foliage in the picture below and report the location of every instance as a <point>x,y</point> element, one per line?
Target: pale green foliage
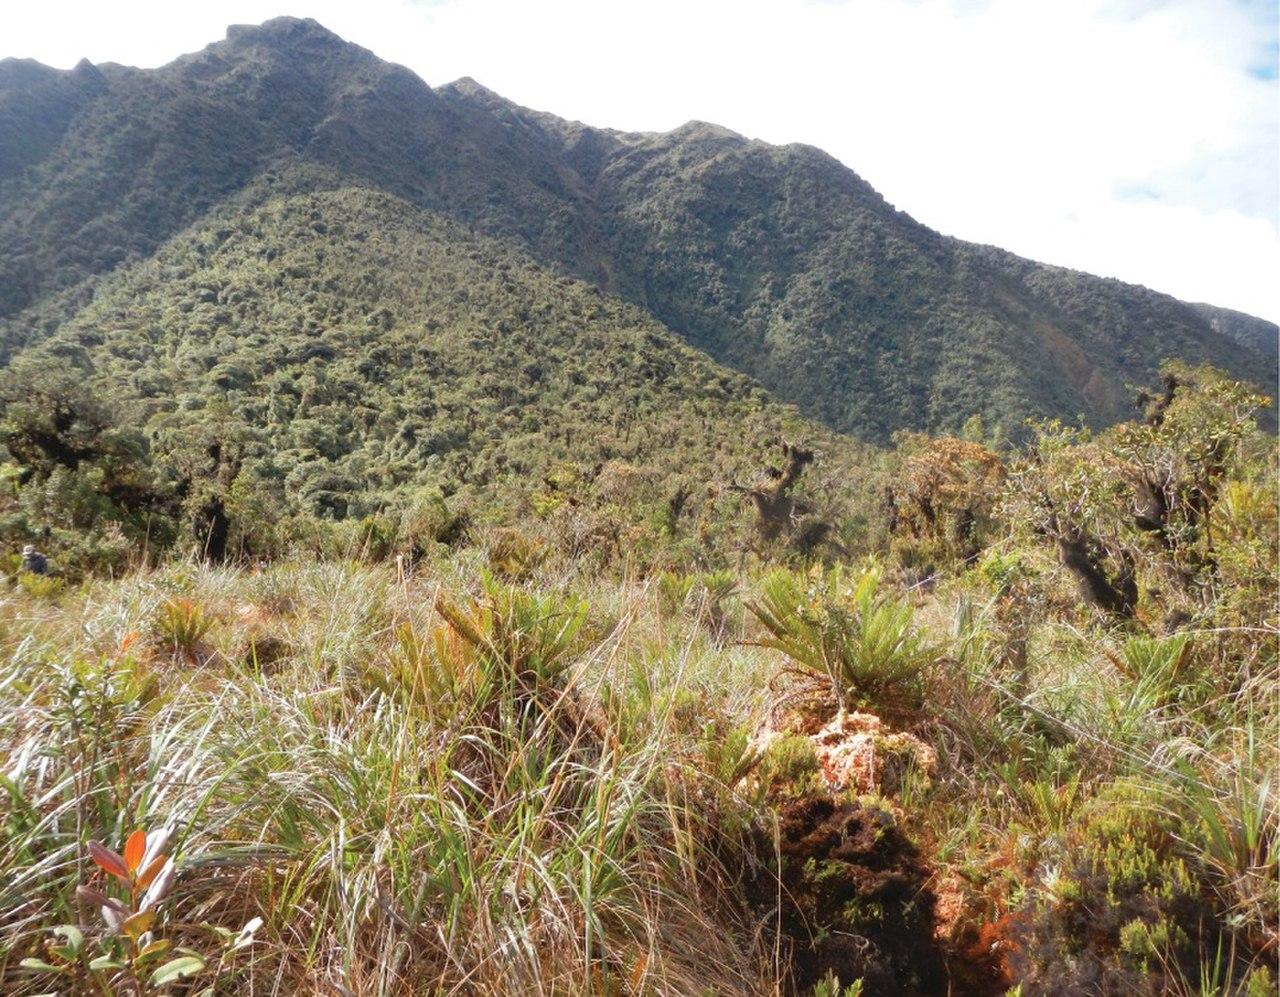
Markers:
<point>829,986</point>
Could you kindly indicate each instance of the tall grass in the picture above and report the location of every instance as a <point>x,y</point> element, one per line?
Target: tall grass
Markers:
<point>465,783</point>
<point>434,794</point>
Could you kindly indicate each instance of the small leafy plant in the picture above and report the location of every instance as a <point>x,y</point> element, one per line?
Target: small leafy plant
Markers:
<point>127,955</point>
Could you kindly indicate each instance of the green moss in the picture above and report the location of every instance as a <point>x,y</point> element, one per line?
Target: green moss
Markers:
<point>790,766</point>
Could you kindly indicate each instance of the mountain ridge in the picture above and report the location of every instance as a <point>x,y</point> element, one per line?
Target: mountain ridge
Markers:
<point>778,261</point>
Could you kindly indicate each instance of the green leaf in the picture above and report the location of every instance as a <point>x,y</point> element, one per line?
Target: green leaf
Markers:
<point>186,965</point>
<point>74,937</point>
<point>105,962</point>
<point>40,966</point>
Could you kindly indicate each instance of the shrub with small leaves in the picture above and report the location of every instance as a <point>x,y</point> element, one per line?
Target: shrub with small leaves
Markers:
<point>40,586</point>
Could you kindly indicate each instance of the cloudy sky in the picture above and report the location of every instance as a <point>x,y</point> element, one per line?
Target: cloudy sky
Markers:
<point>1138,139</point>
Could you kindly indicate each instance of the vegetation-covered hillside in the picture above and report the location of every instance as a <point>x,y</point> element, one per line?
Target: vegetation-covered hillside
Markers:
<point>1255,333</point>
<point>1028,745</point>
<point>341,355</point>
<point>445,549</point>
<point>779,262</point>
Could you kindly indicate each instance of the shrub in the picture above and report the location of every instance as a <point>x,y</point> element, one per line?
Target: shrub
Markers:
<point>942,500</point>
<point>40,586</point>
<point>1127,906</point>
<point>514,555</point>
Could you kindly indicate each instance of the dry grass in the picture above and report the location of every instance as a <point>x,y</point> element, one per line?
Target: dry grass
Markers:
<point>443,784</point>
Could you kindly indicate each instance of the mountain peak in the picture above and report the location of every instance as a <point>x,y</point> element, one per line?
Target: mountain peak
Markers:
<point>284,32</point>
<point>86,72</point>
<point>470,86</point>
<point>697,129</point>
<point>472,89</point>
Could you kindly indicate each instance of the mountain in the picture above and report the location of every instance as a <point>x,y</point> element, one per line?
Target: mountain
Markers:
<point>1256,334</point>
<point>778,262</point>
<point>363,348</point>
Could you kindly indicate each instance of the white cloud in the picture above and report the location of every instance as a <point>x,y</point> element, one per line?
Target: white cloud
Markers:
<point>1132,138</point>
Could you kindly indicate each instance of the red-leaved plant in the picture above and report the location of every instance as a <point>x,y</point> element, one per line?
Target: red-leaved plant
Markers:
<point>145,872</point>
<point>128,900</point>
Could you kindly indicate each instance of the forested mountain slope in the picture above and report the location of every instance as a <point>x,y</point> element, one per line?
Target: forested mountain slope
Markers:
<point>357,348</point>
<point>1257,334</point>
<point>777,261</point>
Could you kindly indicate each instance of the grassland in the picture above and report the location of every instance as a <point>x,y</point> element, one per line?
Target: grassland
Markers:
<point>448,781</point>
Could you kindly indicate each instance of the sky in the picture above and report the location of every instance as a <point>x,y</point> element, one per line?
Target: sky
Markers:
<point>1137,139</point>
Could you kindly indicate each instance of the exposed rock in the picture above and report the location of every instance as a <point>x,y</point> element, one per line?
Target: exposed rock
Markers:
<point>859,753</point>
<point>855,751</point>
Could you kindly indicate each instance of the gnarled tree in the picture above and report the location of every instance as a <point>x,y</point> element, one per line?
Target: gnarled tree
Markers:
<point>780,513</point>
<point>1138,498</point>
<point>777,510</point>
